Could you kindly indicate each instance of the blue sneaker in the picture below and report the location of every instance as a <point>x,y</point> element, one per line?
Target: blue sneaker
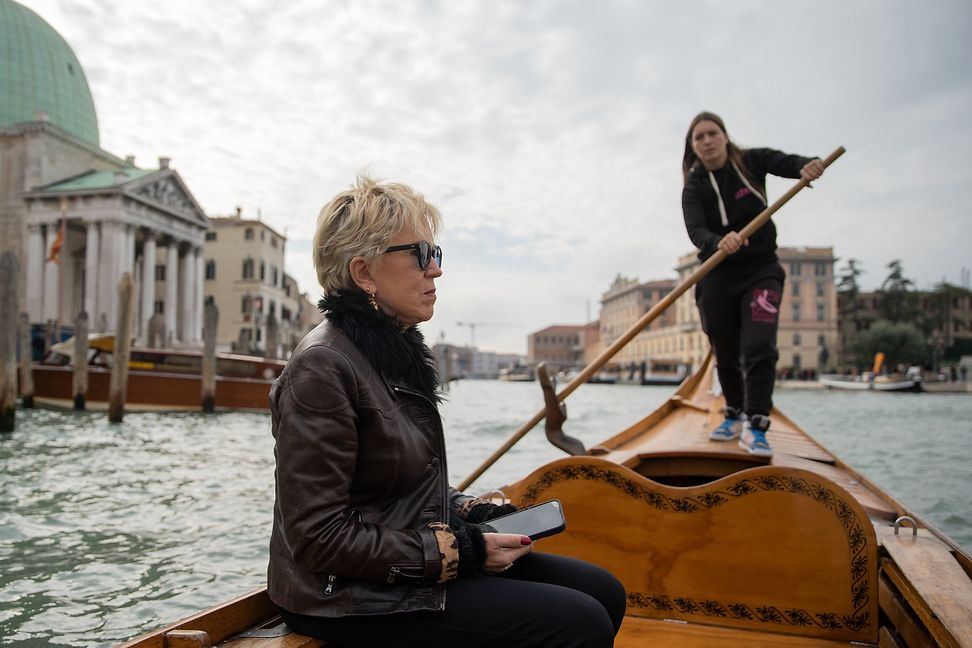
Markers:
<point>730,428</point>
<point>753,439</point>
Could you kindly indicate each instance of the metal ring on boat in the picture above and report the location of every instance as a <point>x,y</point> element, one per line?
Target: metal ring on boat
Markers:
<point>906,518</point>
<point>496,491</point>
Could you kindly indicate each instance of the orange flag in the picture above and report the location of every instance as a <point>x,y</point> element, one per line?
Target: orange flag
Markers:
<point>55,252</point>
<point>878,361</point>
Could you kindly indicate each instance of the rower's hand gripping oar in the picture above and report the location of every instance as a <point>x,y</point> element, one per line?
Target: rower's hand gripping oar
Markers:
<point>645,320</point>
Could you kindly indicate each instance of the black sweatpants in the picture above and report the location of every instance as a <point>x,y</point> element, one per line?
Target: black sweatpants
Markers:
<point>542,601</point>
<point>740,314</point>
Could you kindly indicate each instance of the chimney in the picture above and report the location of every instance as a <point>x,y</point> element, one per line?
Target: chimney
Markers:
<point>164,162</point>
<point>130,161</point>
<point>239,212</point>
<point>41,116</point>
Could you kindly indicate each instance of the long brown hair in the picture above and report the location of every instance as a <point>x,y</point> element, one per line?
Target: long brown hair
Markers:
<point>690,160</point>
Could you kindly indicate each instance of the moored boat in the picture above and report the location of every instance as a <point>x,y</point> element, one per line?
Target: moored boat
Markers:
<point>158,379</point>
<point>660,379</point>
<point>868,382</point>
<point>517,373</point>
<point>716,547</point>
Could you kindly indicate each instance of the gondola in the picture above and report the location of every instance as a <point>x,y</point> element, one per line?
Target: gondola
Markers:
<point>715,547</point>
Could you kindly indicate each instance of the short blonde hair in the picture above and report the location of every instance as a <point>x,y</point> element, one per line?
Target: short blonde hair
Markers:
<point>360,221</point>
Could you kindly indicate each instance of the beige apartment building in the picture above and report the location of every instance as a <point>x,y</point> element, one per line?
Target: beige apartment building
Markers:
<point>808,317</point>
<point>244,276</point>
<point>808,337</point>
<point>621,306</point>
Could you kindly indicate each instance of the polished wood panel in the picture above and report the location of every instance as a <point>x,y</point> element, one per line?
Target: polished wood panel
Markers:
<point>770,549</point>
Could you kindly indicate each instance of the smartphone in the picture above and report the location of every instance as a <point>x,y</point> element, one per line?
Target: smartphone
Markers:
<point>537,521</point>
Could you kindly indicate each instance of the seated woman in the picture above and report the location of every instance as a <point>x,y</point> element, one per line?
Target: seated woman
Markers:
<point>370,545</point>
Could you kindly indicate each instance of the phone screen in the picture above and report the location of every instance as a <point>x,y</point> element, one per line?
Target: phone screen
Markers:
<point>537,521</point>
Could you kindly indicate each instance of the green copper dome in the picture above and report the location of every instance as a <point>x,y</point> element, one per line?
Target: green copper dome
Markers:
<point>39,72</point>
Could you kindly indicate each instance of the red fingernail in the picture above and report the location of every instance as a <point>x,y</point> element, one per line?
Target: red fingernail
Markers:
<point>525,540</point>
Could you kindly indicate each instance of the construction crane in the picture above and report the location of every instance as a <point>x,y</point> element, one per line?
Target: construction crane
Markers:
<point>472,329</point>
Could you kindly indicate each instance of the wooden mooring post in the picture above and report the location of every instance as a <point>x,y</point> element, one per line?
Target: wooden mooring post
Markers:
<point>118,385</point>
<point>8,340</point>
<point>79,382</point>
<point>272,338</point>
<point>210,324</point>
<point>48,336</point>
<point>26,362</point>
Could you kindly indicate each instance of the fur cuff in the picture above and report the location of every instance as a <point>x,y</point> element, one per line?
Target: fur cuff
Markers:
<point>472,548</point>
<point>477,509</point>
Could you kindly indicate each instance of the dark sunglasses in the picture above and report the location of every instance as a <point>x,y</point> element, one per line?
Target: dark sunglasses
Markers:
<point>424,252</point>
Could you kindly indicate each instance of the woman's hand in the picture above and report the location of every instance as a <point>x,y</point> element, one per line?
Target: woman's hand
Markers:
<point>812,170</point>
<point>503,548</point>
<point>732,243</point>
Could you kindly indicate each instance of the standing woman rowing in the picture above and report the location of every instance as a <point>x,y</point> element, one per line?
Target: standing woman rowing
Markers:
<point>739,301</point>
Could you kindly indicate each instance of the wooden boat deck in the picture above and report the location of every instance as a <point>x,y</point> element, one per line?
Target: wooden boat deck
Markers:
<point>680,428</point>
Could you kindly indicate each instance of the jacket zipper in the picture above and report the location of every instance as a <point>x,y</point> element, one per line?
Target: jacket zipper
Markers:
<point>392,574</point>
<point>446,513</point>
<point>330,585</point>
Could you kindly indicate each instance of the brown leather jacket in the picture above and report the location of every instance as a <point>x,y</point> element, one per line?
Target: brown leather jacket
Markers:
<point>360,520</point>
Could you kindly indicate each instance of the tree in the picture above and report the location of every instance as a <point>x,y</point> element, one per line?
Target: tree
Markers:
<point>849,291</point>
<point>898,301</point>
<point>901,343</point>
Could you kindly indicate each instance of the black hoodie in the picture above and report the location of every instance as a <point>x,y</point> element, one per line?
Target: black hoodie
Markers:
<point>743,198</point>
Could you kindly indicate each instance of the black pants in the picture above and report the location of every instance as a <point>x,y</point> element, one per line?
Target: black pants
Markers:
<point>740,314</point>
<point>543,601</point>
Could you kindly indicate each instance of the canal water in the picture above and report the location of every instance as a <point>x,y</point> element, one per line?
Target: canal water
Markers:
<point>108,531</point>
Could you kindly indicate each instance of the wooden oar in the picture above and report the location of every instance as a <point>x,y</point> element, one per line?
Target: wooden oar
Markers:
<point>645,320</point>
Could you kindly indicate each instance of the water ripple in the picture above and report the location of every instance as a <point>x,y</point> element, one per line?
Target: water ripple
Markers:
<point>107,531</point>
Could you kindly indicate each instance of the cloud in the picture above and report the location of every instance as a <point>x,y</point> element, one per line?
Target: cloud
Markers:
<point>550,133</point>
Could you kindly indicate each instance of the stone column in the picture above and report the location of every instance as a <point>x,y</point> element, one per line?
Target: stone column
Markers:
<point>148,286</point>
<point>171,292</point>
<point>51,272</point>
<point>128,250</point>
<point>91,254</point>
<point>35,273</point>
<point>109,253</point>
<point>187,301</point>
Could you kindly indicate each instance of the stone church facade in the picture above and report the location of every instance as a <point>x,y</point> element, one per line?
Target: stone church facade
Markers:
<point>78,217</point>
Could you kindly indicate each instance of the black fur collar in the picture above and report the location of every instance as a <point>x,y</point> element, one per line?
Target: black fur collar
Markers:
<point>400,355</point>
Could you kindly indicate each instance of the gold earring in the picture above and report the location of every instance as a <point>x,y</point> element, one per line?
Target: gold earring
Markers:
<point>372,300</point>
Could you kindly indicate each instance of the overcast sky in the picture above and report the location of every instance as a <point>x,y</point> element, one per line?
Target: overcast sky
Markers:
<point>550,134</point>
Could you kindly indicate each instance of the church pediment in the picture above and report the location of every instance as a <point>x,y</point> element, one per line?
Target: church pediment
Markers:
<point>167,193</point>
<point>170,193</point>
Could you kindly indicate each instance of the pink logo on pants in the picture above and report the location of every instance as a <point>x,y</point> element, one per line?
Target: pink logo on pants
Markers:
<point>764,305</point>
